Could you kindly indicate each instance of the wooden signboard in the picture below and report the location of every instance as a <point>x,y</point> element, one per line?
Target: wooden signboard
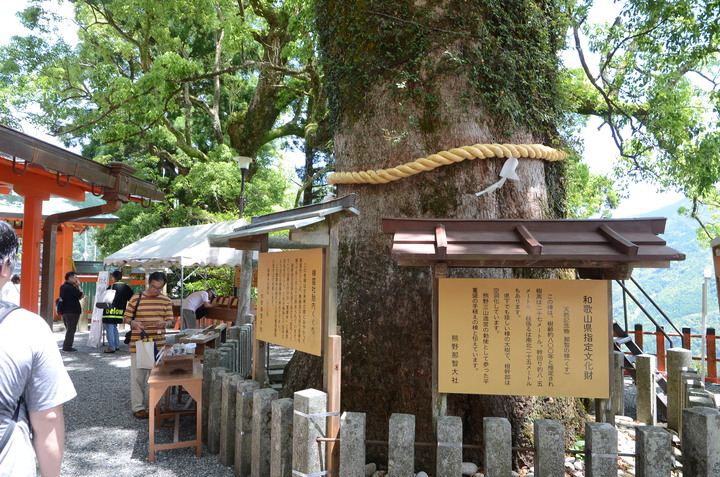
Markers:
<point>524,337</point>
<point>290,299</point>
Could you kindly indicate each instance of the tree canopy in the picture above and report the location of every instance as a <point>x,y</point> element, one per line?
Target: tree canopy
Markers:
<point>177,89</point>
<point>651,74</point>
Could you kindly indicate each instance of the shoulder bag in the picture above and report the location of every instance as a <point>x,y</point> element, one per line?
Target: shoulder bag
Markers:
<point>128,335</point>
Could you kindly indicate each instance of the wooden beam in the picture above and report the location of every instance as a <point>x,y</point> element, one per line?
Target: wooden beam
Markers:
<point>648,225</point>
<point>532,246</point>
<point>441,241</point>
<point>439,400</point>
<point>314,235</point>
<point>618,241</point>
<point>334,358</point>
<point>255,242</point>
<point>404,261</point>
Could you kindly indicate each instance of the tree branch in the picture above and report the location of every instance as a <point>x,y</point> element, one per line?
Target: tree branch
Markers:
<point>181,144</point>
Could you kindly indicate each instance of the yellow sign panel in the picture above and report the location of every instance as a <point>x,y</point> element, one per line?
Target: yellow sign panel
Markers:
<point>289,302</point>
<point>524,337</point>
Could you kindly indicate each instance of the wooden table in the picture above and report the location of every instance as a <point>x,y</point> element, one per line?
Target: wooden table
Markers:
<point>159,385</point>
<point>201,340</point>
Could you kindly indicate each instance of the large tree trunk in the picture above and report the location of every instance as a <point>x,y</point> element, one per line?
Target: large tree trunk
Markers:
<point>405,87</point>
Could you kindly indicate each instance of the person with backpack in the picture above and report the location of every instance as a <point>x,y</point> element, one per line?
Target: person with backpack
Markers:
<point>113,316</point>
<point>34,383</point>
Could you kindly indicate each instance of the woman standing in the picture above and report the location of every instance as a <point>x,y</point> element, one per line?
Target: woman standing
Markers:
<point>71,295</point>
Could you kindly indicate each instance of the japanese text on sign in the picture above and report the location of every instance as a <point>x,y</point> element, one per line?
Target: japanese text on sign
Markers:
<point>289,305</point>
<point>524,337</point>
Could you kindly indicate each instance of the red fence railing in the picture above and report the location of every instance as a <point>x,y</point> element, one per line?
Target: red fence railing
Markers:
<point>686,341</point>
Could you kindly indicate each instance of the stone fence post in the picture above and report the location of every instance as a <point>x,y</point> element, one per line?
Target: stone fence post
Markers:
<point>211,359</point>
<point>262,415</point>
<point>701,441</point>
<point>281,436</point>
<point>243,427</point>
<point>618,397</point>
<point>352,444</point>
<point>449,446</point>
<point>227,418</point>
<point>653,447</point>
<point>309,423</point>
<point>646,365</point>
<point>601,447</point>
<point>677,358</point>
<point>549,448</point>
<point>401,445</point>
<point>497,435</point>
<point>215,397</point>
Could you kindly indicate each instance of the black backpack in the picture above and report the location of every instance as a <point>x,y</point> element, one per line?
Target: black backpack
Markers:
<point>5,309</point>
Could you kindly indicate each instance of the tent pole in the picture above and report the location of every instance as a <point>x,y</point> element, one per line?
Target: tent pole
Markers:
<point>182,291</point>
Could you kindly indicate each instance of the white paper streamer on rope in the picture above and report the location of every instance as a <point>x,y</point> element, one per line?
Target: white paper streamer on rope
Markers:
<point>507,172</point>
<point>97,313</point>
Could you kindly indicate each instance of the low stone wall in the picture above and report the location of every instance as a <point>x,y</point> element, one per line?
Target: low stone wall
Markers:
<point>262,435</point>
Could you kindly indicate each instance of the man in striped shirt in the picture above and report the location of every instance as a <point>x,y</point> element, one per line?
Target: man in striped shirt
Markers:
<point>153,314</point>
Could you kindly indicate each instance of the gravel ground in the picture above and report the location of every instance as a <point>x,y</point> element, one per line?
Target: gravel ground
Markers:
<point>103,438</point>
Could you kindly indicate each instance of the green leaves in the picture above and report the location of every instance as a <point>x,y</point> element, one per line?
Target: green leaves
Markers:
<point>654,84</point>
<point>177,89</point>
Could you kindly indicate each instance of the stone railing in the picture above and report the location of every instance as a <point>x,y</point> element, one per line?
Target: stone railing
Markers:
<point>262,435</point>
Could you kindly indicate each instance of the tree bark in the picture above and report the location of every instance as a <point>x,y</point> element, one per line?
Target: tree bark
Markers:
<point>427,101</point>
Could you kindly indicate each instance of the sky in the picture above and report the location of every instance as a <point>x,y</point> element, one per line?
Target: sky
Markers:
<point>600,152</point>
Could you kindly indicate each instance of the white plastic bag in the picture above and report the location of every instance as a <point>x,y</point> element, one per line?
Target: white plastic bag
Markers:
<point>96,320</point>
<point>145,351</point>
<point>104,299</point>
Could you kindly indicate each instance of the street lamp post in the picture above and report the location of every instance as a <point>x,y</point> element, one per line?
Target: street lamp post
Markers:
<point>244,164</point>
<point>707,274</point>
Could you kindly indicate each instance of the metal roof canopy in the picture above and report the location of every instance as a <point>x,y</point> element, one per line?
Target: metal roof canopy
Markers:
<point>307,226</point>
<point>597,248</point>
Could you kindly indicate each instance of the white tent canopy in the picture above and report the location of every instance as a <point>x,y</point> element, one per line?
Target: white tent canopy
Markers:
<point>180,247</point>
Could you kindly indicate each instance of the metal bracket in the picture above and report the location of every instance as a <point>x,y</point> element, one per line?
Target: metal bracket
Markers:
<point>14,166</point>
<point>57,179</point>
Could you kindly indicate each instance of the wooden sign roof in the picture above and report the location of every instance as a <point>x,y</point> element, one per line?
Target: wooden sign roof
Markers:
<point>598,248</point>
<point>298,221</point>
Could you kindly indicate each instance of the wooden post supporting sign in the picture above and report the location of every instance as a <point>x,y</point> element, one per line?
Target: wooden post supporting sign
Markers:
<point>333,356</point>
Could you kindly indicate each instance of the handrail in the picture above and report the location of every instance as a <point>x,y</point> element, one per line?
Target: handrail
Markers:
<point>622,285</point>
<point>655,305</point>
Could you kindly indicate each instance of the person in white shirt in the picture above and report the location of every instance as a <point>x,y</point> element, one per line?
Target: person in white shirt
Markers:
<point>11,291</point>
<point>193,303</point>
<point>34,384</point>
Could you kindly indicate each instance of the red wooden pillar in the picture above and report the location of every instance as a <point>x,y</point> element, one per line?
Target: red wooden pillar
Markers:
<point>31,243</point>
<point>686,337</point>
<point>639,336</point>
<point>63,257</point>
<point>711,355</point>
<point>660,342</point>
